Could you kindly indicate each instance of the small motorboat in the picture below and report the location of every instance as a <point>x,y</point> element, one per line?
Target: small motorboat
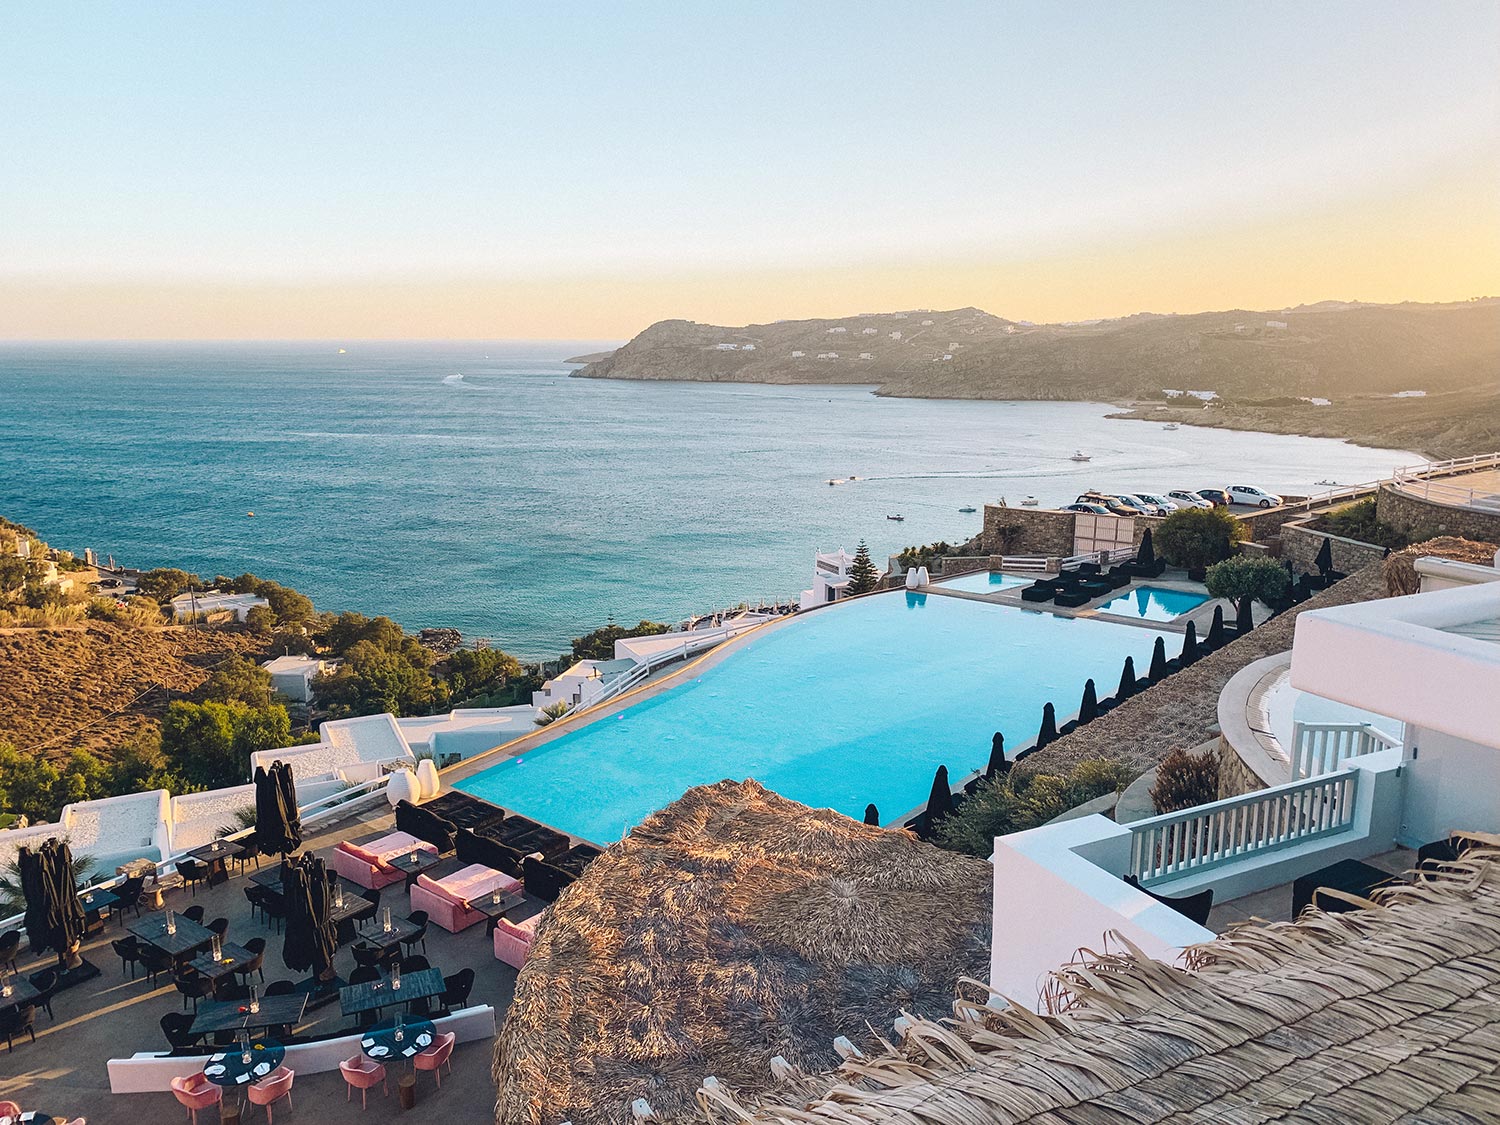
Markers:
<point>1080,455</point>
<point>897,518</point>
<point>968,509</point>
<point>1170,426</point>
<point>1328,483</point>
<point>1029,502</point>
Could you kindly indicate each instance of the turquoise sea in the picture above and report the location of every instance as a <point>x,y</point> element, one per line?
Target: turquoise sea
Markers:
<point>475,485</point>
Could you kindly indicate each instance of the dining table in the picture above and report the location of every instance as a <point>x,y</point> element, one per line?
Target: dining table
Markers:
<point>232,958</point>
<point>216,854</point>
<point>373,995</point>
<point>235,1015</point>
<point>390,1040</point>
<point>185,936</point>
<point>231,1068</point>
<point>21,991</point>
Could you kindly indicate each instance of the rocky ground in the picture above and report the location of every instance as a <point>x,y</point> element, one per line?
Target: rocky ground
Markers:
<point>96,685</point>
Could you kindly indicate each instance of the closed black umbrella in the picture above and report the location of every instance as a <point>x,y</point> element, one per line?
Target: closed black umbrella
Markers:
<point>1088,710</point>
<point>940,800</point>
<point>997,764</point>
<point>1127,681</point>
<point>277,831</point>
<point>311,936</point>
<point>1216,630</point>
<point>1048,731</point>
<point>1158,661</point>
<point>1189,644</point>
<point>1146,554</point>
<point>1243,621</point>
<point>54,917</point>
<point>872,815</point>
<point>1324,561</point>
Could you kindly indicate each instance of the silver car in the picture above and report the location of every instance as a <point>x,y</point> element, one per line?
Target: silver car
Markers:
<point>1189,499</point>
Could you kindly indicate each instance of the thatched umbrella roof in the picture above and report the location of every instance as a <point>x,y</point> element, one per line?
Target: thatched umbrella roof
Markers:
<point>1383,1015</point>
<point>1401,567</point>
<point>729,928</point>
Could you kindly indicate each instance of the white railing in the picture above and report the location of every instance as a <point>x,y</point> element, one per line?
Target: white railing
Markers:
<point>1319,748</point>
<point>1418,481</point>
<point>1212,835</point>
<point>1048,562</point>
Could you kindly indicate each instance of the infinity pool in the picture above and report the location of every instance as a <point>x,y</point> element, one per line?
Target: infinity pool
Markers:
<point>985,582</point>
<point>1154,603</point>
<point>853,704</point>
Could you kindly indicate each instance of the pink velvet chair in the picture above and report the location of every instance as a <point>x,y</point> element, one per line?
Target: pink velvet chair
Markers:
<point>513,940</point>
<point>437,1056</point>
<point>362,1073</point>
<point>272,1088</point>
<point>196,1092</point>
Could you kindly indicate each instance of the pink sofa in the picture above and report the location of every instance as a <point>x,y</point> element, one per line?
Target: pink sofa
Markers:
<point>513,939</point>
<point>365,863</point>
<point>446,900</point>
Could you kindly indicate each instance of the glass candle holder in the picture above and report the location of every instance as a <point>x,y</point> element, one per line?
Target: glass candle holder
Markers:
<point>385,923</point>
<point>254,999</point>
<point>396,978</point>
<point>171,922</point>
<point>495,897</point>
<point>244,1048</point>
<point>400,1032</point>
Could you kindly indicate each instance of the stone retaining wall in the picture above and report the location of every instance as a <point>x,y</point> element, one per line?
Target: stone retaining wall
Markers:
<point>1026,531</point>
<point>1235,777</point>
<point>1301,544</point>
<point>1422,518</point>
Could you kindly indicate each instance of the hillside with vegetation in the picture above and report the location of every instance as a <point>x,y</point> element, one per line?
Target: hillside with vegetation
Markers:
<point>1263,365</point>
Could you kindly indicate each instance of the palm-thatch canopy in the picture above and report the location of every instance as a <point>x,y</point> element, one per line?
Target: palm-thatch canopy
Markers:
<point>729,928</point>
<point>1383,1015</point>
<point>1401,567</point>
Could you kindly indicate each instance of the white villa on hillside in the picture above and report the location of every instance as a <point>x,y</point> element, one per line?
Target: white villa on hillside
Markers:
<point>830,579</point>
<point>190,605</point>
<point>292,676</point>
<point>1427,664</point>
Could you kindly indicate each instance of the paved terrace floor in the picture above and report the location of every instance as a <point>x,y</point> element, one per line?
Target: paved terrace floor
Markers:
<point>112,1016</point>
<point>1275,903</point>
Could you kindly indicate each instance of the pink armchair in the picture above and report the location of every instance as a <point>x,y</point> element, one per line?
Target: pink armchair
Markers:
<point>437,1056</point>
<point>446,900</point>
<point>361,1074</point>
<point>273,1087</point>
<point>366,865</point>
<point>513,940</point>
<point>196,1092</point>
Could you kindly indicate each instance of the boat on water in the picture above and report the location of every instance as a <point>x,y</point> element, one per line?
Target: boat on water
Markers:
<point>1170,426</point>
<point>1030,502</point>
<point>968,509</point>
<point>897,518</point>
<point>1080,455</point>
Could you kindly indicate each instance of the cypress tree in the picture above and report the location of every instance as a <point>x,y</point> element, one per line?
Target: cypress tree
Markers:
<point>863,577</point>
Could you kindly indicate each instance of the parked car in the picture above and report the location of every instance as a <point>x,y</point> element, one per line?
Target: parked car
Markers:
<point>1091,509</point>
<point>1255,497</point>
<point>1113,505</point>
<point>1218,497</point>
<point>1149,507</point>
<point>1189,499</point>
<point>1167,506</point>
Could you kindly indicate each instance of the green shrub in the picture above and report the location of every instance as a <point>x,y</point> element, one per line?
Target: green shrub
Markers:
<point>1196,538</point>
<point>1247,576</point>
<point>1359,522</point>
<point>1185,780</point>
<point>1021,799</point>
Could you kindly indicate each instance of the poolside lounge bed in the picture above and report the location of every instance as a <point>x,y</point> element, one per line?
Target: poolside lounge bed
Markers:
<point>446,900</point>
<point>425,825</point>
<point>366,864</point>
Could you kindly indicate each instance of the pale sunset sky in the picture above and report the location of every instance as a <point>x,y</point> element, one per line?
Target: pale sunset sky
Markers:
<point>485,171</point>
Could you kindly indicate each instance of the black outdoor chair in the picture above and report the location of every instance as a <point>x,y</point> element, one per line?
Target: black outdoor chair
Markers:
<point>373,898</point>
<point>219,926</point>
<point>129,893</point>
<point>367,955</point>
<point>10,944</point>
<point>15,1020</point>
<point>456,990</point>
<point>192,873</point>
<point>257,964</point>
<point>194,914</point>
<point>155,962</point>
<point>253,895</point>
<point>193,985</point>
<point>248,851</point>
<point>45,982</point>
<point>364,974</point>
<point>414,964</point>
<point>174,1025</point>
<point>273,906</point>
<point>1195,908</point>
<point>281,988</point>
<point>229,990</point>
<point>129,951</point>
<point>419,918</point>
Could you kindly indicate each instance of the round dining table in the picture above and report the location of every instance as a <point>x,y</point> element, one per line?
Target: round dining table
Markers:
<point>230,1068</point>
<point>29,1117</point>
<point>380,1043</point>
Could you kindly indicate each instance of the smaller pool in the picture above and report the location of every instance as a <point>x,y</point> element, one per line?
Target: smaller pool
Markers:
<point>1154,603</point>
<point>985,582</point>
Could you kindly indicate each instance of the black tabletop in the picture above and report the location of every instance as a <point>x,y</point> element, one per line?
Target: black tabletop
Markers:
<point>375,933</point>
<point>231,1015</point>
<point>377,994</point>
<point>22,991</point>
<point>269,877</point>
<point>97,900</point>
<point>414,863</point>
<point>233,957</point>
<point>231,1069</point>
<point>486,905</point>
<point>380,1041</point>
<point>215,850</point>
<point>152,929</point>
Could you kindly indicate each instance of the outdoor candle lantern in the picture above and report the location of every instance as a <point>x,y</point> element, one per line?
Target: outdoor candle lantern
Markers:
<point>218,950</point>
<point>385,919</point>
<point>5,985</point>
<point>254,999</point>
<point>244,1038</point>
<point>171,922</point>
<point>495,897</point>
<point>400,1032</point>
<point>396,978</point>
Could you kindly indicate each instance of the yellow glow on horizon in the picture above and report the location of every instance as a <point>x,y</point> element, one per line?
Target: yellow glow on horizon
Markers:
<point>1436,241</point>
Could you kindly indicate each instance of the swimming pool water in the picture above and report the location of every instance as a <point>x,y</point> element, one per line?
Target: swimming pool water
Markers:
<point>985,582</point>
<point>1154,603</point>
<point>857,703</point>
